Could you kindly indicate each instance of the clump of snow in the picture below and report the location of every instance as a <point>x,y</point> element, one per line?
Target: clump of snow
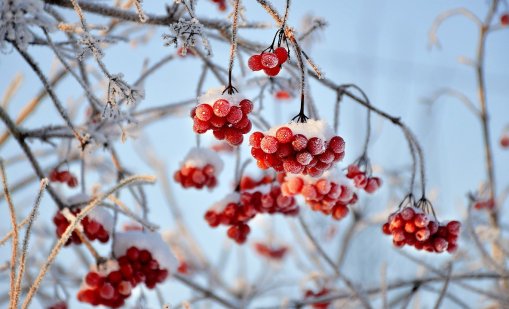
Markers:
<point>311,128</point>
<point>150,241</point>
<point>199,157</point>
<point>264,189</point>
<point>79,198</point>
<point>214,94</point>
<point>105,268</point>
<point>220,205</point>
<point>103,217</point>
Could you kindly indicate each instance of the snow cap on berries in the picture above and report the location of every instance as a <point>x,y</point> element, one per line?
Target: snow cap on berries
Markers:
<point>150,241</point>
<point>199,157</point>
<point>311,128</point>
<point>213,94</point>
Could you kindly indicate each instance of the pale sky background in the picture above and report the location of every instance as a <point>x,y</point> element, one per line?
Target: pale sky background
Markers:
<point>379,45</point>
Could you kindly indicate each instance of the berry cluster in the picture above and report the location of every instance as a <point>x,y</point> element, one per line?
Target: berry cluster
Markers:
<point>361,180</point>
<point>296,148</point>
<point>325,194</point>
<point>269,62</point>
<point>63,177</point>
<point>112,288</point>
<point>311,294</point>
<point>410,226</point>
<point>237,209</point>
<point>92,228</point>
<point>226,115</point>
<point>199,169</point>
<point>271,252</point>
<point>231,212</point>
<point>270,199</point>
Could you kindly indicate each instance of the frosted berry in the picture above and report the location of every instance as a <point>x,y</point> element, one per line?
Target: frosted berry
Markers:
<point>255,62</point>
<point>282,54</point>
<point>269,60</point>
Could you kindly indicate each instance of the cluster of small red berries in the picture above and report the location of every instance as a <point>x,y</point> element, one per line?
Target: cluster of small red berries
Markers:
<point>63,177</point>
<point>311,294</point>
<point>135,267</point>
<point>92,229</point>
<point>295,153</point>
<point>504,140</point>
<point>269,62</point>
<point>59,305</point>
<point>361,180</point>
<point>195,177</point>
<point>236,215</point>
<point>271,252</point>
<point>271,202</point>
<point>484,204</point>
<point>227,122</point>
<point>410,226</point>
<point>322,195</point>
<point>221,4</point>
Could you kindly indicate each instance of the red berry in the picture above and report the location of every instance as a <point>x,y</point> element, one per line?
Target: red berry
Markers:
<point>233,137</point>
<point>422,234</point>
<point>92,227</point>
<point>453,227</point>
<point>235,115</point>
<point>115,277</point>
<point>64,176</point>
<point>124,288</point>
<point>255,62</point>
<point>407,214</point>
<point>421,220</point>
<point>246,106</point>
<point>340,211</point>
<point>145,256</point>
<point>337,144</point>
<point>106,291</point>
<point>440,244</point>
<point>204,112</point>
<point>295,185</point>
<point>281,54</point>
<point>385,229</point>
<point>292,166</point>
<point>269,60</point>
<point>133,254</point>
<point>269,144</point>
<point>316,146</point>
<point>273,71</point>
<point>221,108</point>
<point>504,141</point>
<point>284,135</point>
<point>299,142</point>
<point>93,279</point>
<point>217,122</point>
<point>200,127</point>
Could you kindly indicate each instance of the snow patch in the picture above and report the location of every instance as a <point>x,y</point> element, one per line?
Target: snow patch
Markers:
<point>199,157</point>
<point>103,217</point>
<point>150,241</point>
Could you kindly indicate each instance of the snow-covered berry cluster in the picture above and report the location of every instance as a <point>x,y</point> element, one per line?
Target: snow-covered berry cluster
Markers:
<point>329,193</point>
<point>269,62</point>
<point>298,148</point>
<point>199,169</point>
<point>226,115</point>
<point>271,252</point>
<point>361,180</point>
<point>63,177</point>
<point>143,257</point>
<point>97,224</point>
<point>411,226</point>
<point>269,198</point>
<point>322,292</point>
